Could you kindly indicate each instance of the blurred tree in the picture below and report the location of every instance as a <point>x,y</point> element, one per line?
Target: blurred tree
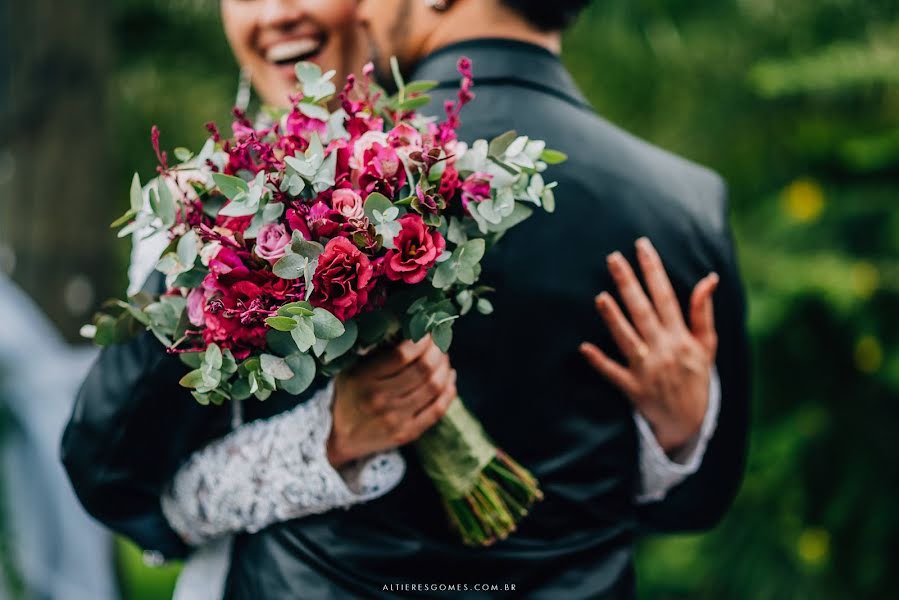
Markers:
<point>54,160</point>
<point>796,102</point>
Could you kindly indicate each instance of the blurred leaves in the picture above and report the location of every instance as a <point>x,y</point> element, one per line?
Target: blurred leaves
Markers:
<point>796,103</point>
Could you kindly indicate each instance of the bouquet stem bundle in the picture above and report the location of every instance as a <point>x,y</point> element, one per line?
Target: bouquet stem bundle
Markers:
<point>484,491</point>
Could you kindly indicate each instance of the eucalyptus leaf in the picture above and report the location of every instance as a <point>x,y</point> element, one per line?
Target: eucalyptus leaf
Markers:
<point>342,344</point>
<point>232,187</point>
<point>276,367</point>
<point>290,266</point>
<point>303,367</point>
<point>376,202</point>
<point>281,323</point>
<point>443,336</point>
<point>192,380</point>
<point>303,334</point>
<point>326,325</point>
<point>136,195</point>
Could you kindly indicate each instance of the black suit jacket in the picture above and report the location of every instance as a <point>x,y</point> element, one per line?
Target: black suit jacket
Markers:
<point>520,373</point>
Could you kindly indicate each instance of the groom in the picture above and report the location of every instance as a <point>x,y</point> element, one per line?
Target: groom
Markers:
<point>519,370</point>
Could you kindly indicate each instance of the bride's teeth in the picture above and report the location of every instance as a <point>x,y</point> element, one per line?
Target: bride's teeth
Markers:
<point>292,49</point>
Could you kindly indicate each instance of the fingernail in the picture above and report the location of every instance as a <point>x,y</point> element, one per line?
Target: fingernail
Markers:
<point>714,278</point>
<point>643,244</point>
<point>614,257</point>
<point>602,300</point>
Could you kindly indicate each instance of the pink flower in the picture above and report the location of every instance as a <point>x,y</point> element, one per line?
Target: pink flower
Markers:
<point>383,171</point>
<point>405,139</point>
<point>417,250</point>
<point>348,203</point>
<point>343,279</point>
<point>196,302</point>
<point>272,242</point>
<point>365,143</point>
<point>476,188</point>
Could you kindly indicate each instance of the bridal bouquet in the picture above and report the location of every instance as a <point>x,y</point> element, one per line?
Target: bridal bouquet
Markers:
<point>300,245</point>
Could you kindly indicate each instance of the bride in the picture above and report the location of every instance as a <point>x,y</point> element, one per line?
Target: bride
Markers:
<point>296,460</point>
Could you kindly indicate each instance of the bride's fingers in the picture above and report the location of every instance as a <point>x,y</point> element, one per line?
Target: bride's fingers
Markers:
<point>628,341</point>
<point>659,284</point>
<point>612,371</point>
<point>638,305</point>
<point>702,313</point>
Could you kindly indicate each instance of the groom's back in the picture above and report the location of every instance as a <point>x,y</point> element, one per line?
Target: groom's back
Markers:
<point>519,370</point>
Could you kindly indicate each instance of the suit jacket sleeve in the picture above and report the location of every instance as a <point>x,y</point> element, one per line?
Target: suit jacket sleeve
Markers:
<point>131,427</point>
<point>702,500</point>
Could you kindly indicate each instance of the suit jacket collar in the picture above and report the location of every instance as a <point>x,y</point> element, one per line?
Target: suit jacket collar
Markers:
<point>497,61</point>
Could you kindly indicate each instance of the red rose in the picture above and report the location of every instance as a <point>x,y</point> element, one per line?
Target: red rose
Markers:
<point>343,279</point>
<point>417,250</point>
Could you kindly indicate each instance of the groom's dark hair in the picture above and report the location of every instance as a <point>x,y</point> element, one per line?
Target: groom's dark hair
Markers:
<point>548,15</point>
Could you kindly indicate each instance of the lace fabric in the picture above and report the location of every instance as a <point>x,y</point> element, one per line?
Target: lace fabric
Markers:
<point>271,471</point>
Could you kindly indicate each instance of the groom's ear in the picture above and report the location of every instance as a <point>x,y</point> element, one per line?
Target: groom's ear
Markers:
<point>548,15</point>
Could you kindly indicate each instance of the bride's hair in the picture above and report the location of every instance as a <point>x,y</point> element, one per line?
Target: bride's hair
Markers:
<point>548,15</point>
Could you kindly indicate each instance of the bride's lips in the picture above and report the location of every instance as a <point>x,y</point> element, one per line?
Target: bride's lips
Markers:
<point>284,54</point>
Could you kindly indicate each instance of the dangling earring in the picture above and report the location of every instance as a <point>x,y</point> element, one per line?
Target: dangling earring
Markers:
<point>244,89</point>
<point>438,5</point>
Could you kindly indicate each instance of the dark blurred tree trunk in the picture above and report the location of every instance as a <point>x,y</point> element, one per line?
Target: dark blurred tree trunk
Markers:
<point>54,160</point>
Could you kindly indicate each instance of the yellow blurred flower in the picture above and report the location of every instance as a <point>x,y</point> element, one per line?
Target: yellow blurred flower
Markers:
<point>804,200</point>
<point>868,354</point>
<point>813,546</point>
<point>865,279</point>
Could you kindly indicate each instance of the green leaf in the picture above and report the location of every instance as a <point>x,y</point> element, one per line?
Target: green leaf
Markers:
<point>445,274</point>
<point>420,87</point>
<point>213,356</point>
<point>553,157</point>
<point>472,252</point>
<point>187,248</point>
<point>191,359</point>
<point>276,367</point>
<point>232,187</point>
<point>202,399</point>
<point>376,202</point>
<point>281,323</point>
<point>500,143</point>
<point>290,267</point>
<point>183,154</point>
<point>414,103</point>
<point>342,344</point>
<point>465,300</point>
<point>280,342</point>
<point>303,334</point>
<point>303,367</point>
<point>192,380</point>
<point>240,389</point>
<point>137,194</point>
<point>397,76</point>
<point>443,336</point>
<point>285,311</point>
<point>122,220</point>
<point>307,72</point>
<point>307,249</point>
<point>161,203</point>
<point>485,307</point>
<point>519,214</point>
<point>326,325</point>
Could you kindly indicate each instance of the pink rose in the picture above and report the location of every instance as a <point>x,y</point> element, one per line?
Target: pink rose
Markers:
<point>272,242</point>
<point>365,143</point>
<point>405,139</point>
<point>343,279</point>
<point>348,203</point>
<point>417,250</point>
<point>196,302</point>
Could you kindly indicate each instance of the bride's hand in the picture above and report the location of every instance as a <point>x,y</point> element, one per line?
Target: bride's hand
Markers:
<point>389,400</point>
<point>668,364</point>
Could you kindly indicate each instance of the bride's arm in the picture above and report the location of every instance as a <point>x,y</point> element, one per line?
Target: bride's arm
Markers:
<point>270,471</point>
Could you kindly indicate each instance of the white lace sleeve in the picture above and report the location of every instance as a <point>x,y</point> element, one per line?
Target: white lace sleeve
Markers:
<point>269,471</point>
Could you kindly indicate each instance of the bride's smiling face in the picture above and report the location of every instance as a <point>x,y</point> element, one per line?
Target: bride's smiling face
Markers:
<point>270,36</point>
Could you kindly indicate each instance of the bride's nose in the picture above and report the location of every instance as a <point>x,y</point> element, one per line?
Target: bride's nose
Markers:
<point>280,14</point>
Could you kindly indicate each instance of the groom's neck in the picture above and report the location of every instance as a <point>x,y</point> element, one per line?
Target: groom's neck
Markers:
<point>476,20</point>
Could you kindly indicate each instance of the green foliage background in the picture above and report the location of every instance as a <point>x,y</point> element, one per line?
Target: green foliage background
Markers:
<point>796,102</point>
